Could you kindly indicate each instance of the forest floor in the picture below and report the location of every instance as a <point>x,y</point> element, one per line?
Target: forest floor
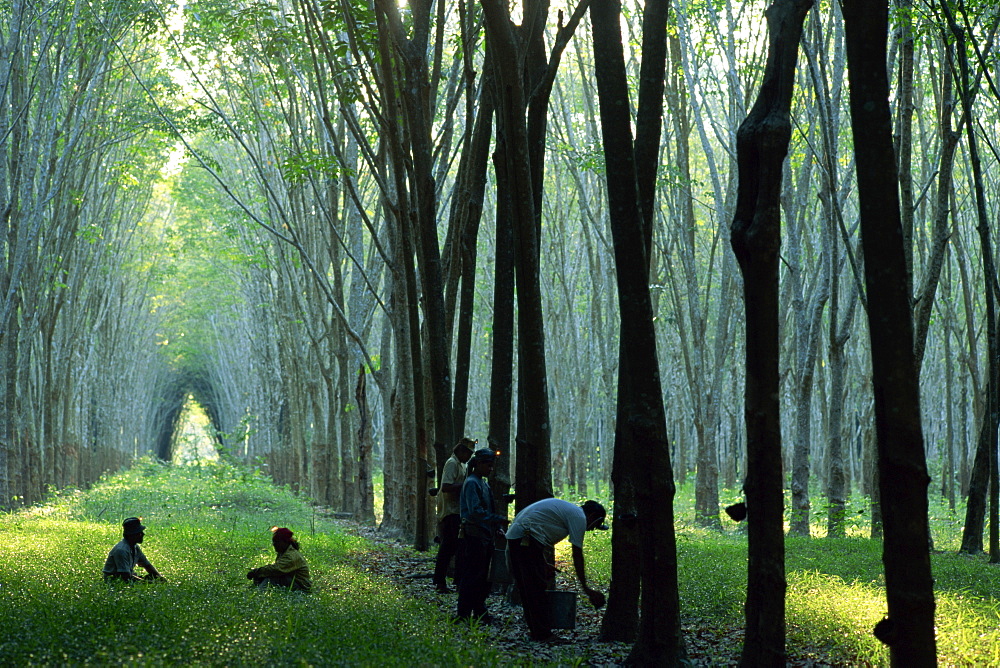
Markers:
<point>706,644</point>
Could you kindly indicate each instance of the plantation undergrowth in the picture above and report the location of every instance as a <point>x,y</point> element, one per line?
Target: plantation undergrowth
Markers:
<point>206,527</point>
<point>208,524</point>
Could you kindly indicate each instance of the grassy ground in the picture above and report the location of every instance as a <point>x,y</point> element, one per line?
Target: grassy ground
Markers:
<point>208,525</point>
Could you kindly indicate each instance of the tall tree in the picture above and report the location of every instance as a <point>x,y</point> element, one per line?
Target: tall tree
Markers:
<point>985,469</point>
<point>642,463</point>
<point>523,86</point>
<point>762,143</point>
<point>903,478</point>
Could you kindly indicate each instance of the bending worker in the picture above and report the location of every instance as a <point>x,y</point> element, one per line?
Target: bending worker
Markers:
<point>535,530</point>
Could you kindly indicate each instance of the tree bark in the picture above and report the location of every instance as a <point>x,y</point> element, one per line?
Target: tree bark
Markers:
<point>762,144</point>
<point>642,418</point>
<point>903,478</point>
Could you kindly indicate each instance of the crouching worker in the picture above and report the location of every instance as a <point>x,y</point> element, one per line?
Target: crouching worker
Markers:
<point>534,531</point>
<point>288,570</point>
<point>126,555</point>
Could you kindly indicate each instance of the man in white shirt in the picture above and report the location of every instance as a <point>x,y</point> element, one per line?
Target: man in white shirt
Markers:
<point>537,529</point>
<point>449,520</point>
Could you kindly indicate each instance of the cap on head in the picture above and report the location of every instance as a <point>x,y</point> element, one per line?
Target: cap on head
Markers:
<point>282,534</point>
<point>467,444</point>
<point>484,455</point>
<point>595,509</point>
<point>132,525</point>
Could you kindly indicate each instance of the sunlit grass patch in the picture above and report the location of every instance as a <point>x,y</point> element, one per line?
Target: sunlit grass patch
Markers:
<point>209,523</point>
<point>206,526</point>
<point>825,612</point>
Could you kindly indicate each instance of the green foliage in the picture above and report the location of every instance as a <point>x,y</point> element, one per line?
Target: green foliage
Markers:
<point>588,158</point>
<point>207,525</point>
<point>300,167</point>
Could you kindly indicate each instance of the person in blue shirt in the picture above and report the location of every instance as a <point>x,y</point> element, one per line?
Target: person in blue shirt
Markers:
<point>126,555</point>
<point>480,527</point>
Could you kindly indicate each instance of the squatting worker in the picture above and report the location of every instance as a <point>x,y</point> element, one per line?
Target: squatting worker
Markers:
<point>480,525</point>
<point>126,555</point>
<point>289,568</point>
<point>535,529</point>
<point>449,516</point>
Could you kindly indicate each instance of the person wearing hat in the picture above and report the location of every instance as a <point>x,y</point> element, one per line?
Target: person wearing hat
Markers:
<point>289,568</point>
<point>480,525</point>
<point>126,555</point>
<point>449,517</point>
<point>535,531</point>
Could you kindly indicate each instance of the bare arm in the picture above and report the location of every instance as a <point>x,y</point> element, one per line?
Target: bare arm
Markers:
<point>151,569</point>
<point>596,598</point>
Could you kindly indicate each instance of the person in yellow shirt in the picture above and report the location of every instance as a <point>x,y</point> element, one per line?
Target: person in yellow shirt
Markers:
<point>449,521</point>
<point>289,568</point>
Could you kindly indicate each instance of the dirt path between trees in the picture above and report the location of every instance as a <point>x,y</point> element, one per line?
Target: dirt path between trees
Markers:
<point>410,571</point>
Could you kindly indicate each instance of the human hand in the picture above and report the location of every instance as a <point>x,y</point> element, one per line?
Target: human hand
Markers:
<point>252,574</point>
<point>596,598</point>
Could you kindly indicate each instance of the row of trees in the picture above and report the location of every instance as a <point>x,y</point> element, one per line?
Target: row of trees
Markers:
<point>385,211</point>
<point>81,377</point>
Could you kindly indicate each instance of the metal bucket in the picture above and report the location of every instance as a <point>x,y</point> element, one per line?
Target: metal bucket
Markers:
<point>562,609</point>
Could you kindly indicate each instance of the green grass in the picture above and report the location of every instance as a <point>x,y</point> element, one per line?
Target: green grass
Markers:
<point>208,525</point>
<point>836,587</point>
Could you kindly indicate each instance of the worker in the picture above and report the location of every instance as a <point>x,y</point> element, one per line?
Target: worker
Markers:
<point>449,516</point>
<point>480,527</point>
<point>289,569</point>
<point>534,531</point>
<point>126,555</point>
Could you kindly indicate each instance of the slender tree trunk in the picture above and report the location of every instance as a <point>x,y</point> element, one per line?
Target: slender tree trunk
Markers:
<point>502,335</point>
<point>642,419</point>
<point>991,415</point>
<point>762,143</point>
<point>533,463</point>
<point>472,194</point>
<point>903,478</point>
<point>366,501</point>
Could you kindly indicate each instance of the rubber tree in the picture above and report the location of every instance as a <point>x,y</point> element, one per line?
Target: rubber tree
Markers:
<point>643,477</point>
<point>903,479</point>
<point>762,144</point>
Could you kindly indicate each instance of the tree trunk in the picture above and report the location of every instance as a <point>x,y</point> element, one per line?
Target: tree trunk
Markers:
<point>903,478</point>
<point>502,357</point>
<point>642,419</point>
<point>991,415</point>
<point>762,143</point>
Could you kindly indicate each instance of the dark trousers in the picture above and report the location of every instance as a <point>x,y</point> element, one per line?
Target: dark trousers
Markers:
<point>285,581</point>
<point>473,579</point>
<point>448,532</point>
<point>527,565</point>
